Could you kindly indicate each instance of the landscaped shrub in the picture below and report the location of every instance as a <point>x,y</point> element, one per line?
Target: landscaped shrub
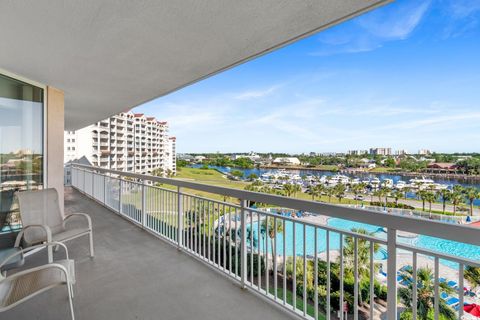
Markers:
<point>392,205</point>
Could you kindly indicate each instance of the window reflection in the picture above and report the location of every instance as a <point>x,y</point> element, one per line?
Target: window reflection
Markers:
<point>21,145</point>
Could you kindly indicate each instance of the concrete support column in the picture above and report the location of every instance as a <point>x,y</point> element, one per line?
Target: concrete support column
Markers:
<point>54,135</point>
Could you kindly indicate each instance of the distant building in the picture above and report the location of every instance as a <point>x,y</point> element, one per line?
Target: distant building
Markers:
<point>357,152</point>
<point>401,152</point>
<point>424,152</point>
<point>199,158</point>
<point>288,161</point>
<point>125,142</point>
<point>381,151</point>
<point>442,167</point>
<point>252,156</point>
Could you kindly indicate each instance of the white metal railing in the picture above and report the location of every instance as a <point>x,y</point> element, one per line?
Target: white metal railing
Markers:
<point>307,265</point>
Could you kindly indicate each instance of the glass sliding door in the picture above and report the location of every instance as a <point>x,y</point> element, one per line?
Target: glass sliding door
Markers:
<point>21,145</point>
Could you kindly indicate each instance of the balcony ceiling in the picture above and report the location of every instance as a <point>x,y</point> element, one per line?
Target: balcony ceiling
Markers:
<point>110,56</point>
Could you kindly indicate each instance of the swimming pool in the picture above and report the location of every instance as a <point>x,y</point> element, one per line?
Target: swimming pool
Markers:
<point>309,236</point>
<point>425,242</point>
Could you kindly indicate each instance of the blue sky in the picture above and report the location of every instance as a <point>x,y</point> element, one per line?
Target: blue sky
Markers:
<point>406,75</point>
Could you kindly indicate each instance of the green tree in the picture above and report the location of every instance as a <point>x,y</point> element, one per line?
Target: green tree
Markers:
<point>425,293</point>
<point>422,194</point>
<point>363,255</point>
<point>397,194</point>
<point>330,192</point>
<point>272,229</point>
<point>456,199</point>
<point>445,195</point>
<point>316,191</point>
<point>339,191</point>
<point>472,274</point>
<point>430,197</point>
<point>471,194</point>
<point>288,189</point>
<point>252,176</point>
<point>237,174</point>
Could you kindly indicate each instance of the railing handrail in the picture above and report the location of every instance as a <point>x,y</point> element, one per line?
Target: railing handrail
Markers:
<point>448,231</point>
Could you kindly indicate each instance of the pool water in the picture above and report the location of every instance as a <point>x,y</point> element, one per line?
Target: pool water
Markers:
<point>425,242</point>
<point>309,236</point>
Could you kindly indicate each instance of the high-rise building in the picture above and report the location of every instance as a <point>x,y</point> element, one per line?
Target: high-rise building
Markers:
<point>381,151</point>
<point>424,152</point>
<point>357,152</point>
<point>128,141</point>
<point>401,152</point>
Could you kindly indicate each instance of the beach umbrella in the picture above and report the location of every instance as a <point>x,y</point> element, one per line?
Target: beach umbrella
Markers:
<point>473,309</point>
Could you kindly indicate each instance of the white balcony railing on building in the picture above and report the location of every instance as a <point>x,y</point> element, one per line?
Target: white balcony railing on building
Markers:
<point>212,228</point>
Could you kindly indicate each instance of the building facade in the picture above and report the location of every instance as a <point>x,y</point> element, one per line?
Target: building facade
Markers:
<point>381,151</point>
<point>128,141</point>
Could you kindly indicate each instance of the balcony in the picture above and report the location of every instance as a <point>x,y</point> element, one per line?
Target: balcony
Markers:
<point>208,226</point>
<point>134,275</point>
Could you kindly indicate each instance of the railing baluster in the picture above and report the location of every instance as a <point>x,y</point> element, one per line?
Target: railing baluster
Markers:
<point>460,289</point>
<point>284,263</point>
<point>315,273</point>
<point>414,287</point>
<point>274,258</point>
<point>179,217</point>
<point>356,280</point>
<point>392,274</point>
<point>243,246</point>
<point>294,277</point>
<point>259,245</point>
<point>341,278</point>
<point>224,232</point>
<point>436,300</point>
<point>372,280</point>
<point>328,274</point>
<point>251,248</point>
<point>305,302</point>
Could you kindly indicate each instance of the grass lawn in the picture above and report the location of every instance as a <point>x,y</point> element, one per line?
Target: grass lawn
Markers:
<point>310,308</point>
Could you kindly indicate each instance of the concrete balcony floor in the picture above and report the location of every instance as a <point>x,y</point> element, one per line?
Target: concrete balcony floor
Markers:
<point>134,275</point>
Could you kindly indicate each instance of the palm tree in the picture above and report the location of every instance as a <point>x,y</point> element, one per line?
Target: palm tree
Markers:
<point>425,294</point>
<point>430,197</point>
<point>296,189</point>
<point>379,193</point>
<point>397,194</point>
<point>472,274</point>
<point>358,189</point>
<point>339,191</point>
<point>472,193</point>
<point>422,195</point>
<point>316,191</point>
<point>288,189</point>
<point>456,199</point>
<point>330,192</point>
<point>363,255</point>
<point>445,195</point>
<point>406,190</point>
<point>271,230</point>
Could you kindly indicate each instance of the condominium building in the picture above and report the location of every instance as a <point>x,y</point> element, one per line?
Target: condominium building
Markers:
<point>381,151</point>
<point>357,152</point>
<point>128,141</point>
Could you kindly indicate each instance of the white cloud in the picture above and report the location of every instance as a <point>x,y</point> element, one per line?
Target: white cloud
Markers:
<point>370,31</point>
<point>256,94</point>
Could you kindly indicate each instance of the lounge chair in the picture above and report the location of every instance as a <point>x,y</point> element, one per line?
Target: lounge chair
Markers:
<point>42,220</point>
<point>452,301</point>
<point>21,286</point>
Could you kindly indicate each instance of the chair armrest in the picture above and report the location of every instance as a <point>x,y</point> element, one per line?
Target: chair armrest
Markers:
<point>43,245</point>
<point>44,266</point>
<point>45,228</point>
<point>83,215</point>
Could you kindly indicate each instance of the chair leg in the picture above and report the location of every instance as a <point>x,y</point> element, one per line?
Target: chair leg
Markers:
<point>92,253</point>
<point>70,300</point>
<point>50,254</point>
